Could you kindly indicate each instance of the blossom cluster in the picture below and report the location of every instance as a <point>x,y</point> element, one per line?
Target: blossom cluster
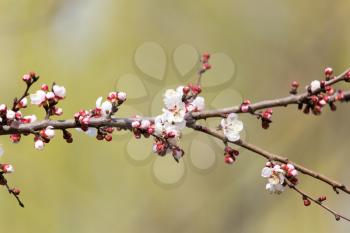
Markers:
<point>102,109</point>
<point>166,127</point>
<point>276,175</point>
<point>48,99</point>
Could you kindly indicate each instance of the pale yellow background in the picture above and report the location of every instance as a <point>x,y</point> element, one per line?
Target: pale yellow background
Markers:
<point>92,186</point>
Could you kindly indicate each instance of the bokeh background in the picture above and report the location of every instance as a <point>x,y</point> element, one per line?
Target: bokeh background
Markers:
<point>92,186</point>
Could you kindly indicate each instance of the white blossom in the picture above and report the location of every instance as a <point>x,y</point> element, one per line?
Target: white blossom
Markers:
<point>198,103</point>
<point>172,99</point>
<point>38,98</point>
<point>315,85</point>
<point>10,114</point>
<point>145,124</point>
<point>232,127</point>
<point>106,107</point>
<point>275,177</point>
<point>59,91</point>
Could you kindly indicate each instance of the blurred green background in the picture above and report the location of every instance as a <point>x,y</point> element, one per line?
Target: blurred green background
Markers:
<point>92,186</point>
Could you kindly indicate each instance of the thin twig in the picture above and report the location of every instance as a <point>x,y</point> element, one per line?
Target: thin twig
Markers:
<point>273,157</point>
<point>304,195</point>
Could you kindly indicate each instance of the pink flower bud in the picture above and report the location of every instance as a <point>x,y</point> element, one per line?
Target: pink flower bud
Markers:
<point>206,66</point>
<point>268,164</point>
<point>322,102</point>
<point>322,198</point>
<point>112,96</point>
<point>196,89</point>
<point>229,159</point>
<point>85,120</point>
<point>293,172</point>
<point>44,87</point>
<point>16,191</point>
<point>121,96</point>
<point>186,90</point>
<point>150,130</point>
<point>307,202</point>
<point>27,78</point>
<point>15,138</point>
<point>18,115</point>
<point>295,84</point>
<point>58,111</point>
<point>135,124</point>
<point>23,103</point>
<point>290,166</point>
<point>7,168</point>
<point>328,72</point>
<point>39,144</point>
<point>3,109</point>
<point>244,108</point>
<point>108,138</point>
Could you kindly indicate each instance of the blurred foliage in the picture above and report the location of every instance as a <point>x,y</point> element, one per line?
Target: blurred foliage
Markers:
<point>89,186</point>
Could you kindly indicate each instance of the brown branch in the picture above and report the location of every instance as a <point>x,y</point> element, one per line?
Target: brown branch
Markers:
<point>191,118</point>
<point>280,102</point>
<point>318,202</point>
<point>273,157</point>
<point>12,191</point>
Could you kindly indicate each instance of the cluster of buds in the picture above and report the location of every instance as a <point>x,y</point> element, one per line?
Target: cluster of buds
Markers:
<point>102,109</point>
<point>230,155</point>
<point>315,103</point>
<point>48,99</point>
<point>83,117</point>
<point>160,147</point>
<point>105,133</point>
<point>44,136</point>
<point>191,90</point>
<point>290,173</point>
<point>294,88</point>
<point>142,127</point>
<point>266,118</point>
<point>163,147</point>
<point>30,78</point>
<point>245,106</point>
<point>321,94</point>
<point>8,116</point>
<point>118,97</point>
<point>205,63</point>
